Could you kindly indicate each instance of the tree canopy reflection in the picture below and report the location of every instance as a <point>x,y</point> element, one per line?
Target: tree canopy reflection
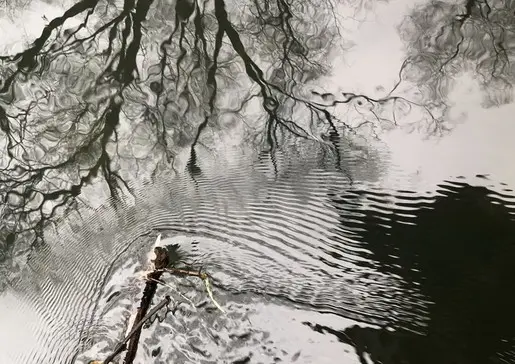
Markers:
<point>116,90</point>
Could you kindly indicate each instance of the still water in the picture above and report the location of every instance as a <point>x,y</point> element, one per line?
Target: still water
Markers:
<point>341,169</point>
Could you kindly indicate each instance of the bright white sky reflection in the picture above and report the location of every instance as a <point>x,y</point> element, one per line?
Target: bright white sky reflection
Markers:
<point>482,141</point>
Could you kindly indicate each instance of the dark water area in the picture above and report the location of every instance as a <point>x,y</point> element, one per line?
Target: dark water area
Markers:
<point>457,250</point>
<point>341,169</point>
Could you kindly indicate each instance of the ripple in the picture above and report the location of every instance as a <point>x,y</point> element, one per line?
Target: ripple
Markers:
<point>295,239</point>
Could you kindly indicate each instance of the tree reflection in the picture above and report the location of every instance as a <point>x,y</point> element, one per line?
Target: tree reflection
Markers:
<point>114,91</point>
<point>445,39</point>
<point>133,84</point>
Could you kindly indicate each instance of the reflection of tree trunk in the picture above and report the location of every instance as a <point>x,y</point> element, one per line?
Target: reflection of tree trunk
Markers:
<point>106,125</point>
<point>27,61</point>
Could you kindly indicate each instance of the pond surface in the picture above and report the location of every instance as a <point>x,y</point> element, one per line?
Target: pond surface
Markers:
<point>341,169</point>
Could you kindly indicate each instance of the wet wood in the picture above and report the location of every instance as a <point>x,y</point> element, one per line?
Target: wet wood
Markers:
<point>184,272</point>
<point>136,327</point>
<point>160,264</point>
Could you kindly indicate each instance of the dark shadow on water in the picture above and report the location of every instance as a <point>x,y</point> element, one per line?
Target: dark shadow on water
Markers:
<point>460,252</point>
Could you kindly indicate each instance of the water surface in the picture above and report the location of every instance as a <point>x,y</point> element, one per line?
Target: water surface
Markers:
<point>341,169</point>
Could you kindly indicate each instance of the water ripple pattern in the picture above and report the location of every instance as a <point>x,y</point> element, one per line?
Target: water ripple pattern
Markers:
<point>299,239</point>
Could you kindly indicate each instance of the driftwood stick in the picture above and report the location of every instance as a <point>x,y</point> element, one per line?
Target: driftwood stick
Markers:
<point>137,326</point>
<point>185,272</point>
<point>160,263</point>
<point>143,314</point>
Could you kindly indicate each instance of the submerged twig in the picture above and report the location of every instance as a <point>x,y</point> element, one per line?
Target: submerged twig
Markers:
<point>180,294</point>
<point>201,275</point>
<point>210,293</point>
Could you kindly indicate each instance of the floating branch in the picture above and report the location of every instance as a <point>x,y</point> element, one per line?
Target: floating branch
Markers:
<point>135,331</point>
<point>161,262</point>
<point>186,272</point>
<point>143,315</point>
